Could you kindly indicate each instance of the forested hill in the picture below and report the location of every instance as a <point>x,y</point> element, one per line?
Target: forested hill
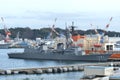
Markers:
<point>45,32</point>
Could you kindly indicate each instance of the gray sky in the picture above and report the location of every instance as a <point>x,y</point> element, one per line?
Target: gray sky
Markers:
<point>41,13</point>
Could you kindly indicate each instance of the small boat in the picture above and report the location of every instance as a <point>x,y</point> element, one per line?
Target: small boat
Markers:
<point>4,45</point>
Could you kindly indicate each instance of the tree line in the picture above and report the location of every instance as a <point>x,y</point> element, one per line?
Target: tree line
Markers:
<point>45,32</point>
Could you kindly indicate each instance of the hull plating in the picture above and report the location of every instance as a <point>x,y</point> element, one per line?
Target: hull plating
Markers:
<point>57,56</point>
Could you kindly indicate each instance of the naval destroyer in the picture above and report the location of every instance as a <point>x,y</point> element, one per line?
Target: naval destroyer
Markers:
<point>62,50</point>
<point>72,53</point>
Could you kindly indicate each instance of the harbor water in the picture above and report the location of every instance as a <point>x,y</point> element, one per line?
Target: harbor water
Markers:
<point>7,63</point>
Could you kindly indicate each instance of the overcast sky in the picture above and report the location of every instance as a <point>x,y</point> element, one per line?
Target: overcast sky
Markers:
<point>41,13</point>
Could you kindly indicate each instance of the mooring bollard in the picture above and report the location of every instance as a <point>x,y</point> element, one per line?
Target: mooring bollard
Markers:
<point>80,68</point>
<point>38,71</point>
<point>70,69</point>
<point>15,72</point>
<point>75,68</point>
<point>60,70</point>
<point>55,70</point>
<point>8,72</point>
<point>65,69</point>
<point>49,70</point>
<point>2,72</point>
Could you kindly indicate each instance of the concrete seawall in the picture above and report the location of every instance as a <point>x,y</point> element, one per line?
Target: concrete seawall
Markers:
<point>56,69</point>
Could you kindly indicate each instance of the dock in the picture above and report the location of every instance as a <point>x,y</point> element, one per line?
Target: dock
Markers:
<point>56,69</point>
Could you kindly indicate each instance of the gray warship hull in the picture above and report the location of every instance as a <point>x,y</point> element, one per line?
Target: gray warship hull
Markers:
<point>57,56</point>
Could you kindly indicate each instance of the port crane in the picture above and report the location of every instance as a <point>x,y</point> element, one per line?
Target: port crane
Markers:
<point>7,32</point>
<point>101,35</point>
<point>104,31</point>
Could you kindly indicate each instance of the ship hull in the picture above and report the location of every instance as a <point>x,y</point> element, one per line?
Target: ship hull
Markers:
<point>4,46</point>
<point>93,57</point>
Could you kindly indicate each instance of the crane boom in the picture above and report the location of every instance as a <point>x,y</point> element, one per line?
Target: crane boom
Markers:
<point>7,32</point>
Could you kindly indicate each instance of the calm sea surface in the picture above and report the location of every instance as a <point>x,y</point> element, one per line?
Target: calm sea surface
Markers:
<point>6,63</point>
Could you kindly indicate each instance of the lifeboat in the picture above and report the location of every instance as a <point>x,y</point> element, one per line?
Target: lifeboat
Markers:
<point>97,45</point>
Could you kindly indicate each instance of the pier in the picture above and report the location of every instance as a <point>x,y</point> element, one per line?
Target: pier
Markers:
<point>56,69</point>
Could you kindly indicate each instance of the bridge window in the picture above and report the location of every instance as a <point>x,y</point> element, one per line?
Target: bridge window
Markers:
<point>109,47</point>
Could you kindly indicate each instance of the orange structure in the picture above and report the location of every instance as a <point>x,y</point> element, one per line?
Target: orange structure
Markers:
<point>97,45</point>
<point>115,56</point>
<point>95,51</point>
<point>77,37</point>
